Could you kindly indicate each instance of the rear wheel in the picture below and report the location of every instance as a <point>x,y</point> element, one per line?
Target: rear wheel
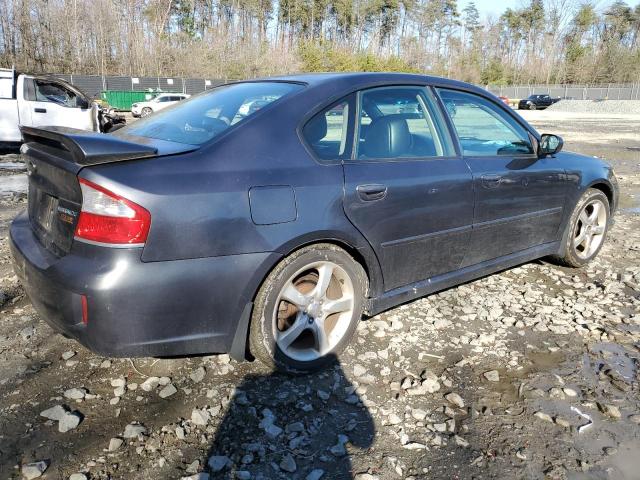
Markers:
<point>307,309</point>
<point>587,229</point>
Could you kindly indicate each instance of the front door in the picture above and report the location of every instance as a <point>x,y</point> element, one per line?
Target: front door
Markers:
<point>519,198</point>
<point>53,104</point>
<point>406,190</point>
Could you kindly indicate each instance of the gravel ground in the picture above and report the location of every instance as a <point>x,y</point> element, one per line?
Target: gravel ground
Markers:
<point>598,106</point>
<point>531,373</point>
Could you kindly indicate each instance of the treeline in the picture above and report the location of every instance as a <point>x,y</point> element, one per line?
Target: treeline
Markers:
<point>550,41</point>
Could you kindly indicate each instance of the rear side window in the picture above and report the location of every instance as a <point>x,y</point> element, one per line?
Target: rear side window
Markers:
<point>328,133</point>
<point>400,122</point>
<point>484,129</point>
<point>203,117</point>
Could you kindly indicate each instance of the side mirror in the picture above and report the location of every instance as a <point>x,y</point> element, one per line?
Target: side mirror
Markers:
<point>549,144</point>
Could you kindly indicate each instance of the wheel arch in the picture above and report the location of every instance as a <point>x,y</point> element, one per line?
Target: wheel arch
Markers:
<point>360,251</point>
<point>605,187</point>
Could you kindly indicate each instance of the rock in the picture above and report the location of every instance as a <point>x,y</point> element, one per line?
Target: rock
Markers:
<point>164,381</point>
<point>115,443</point>
<point>198,375</point>
<point>119,391</point>
<point>570,392</point>
<point>394,419</point>
<point>610,450</point>
<point>455,399</point>
<point>544,416</point>
<point>134,430</point>
<point>75,393</point>
<point>365,476</point>
<point>295,427</point>
<point>461,442</point>
<point>315,474</point>
<point>359,370</point>
<point>150,383</point>
<point>167,391</point>
<point>34,470</point>
<point>322,395</point>
<point>430,385</point>
<point>68,355</point>
<point>200,417</point>
<point>288,464</point>
<point>26,333</point>
<point>611,411</point>
<point>78,476</point>
<point>197,476</point>
<point>272,431</point>
<point>492,376</point>
<point>218,463</point>
<point>635,418</point>
<point>69,421</point>
<point>54,413</point>
<point>118,382</point>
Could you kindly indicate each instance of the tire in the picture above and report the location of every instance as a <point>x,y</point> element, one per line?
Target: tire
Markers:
<point>533,106</point>
<point>307,347</point>
<point>145,112</point>
<point>576,252</point>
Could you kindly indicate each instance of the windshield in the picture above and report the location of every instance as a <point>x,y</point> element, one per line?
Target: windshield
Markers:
<point>205,116</point>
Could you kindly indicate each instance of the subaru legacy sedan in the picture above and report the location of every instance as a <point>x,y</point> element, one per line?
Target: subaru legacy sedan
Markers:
<point>269,233</point>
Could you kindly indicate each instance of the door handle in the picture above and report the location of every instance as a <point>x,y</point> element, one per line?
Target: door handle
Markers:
<point>40,110</point>
<point>369,193</point>
<point>491,180</point>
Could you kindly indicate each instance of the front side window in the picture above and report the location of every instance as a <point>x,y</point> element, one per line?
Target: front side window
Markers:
<point>203,117</point>
<point>327,133</point>
<point>399,122</point>
<point>55,93</point>
<point>484,129</point>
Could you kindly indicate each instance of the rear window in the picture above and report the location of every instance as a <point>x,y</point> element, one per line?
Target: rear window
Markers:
<point>203,117</point>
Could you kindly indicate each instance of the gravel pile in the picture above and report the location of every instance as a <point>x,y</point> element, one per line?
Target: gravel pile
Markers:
<point>597,106</point>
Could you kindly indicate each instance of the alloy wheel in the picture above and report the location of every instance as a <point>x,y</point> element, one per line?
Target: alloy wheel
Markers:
<point>313,311</point>
<point>590,229</point>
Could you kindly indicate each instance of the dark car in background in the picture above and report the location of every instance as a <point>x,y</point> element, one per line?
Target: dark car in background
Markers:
<point>537,102</point>
<point>197,230</point>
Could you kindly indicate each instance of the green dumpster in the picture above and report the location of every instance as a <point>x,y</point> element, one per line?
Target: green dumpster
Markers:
<point>122,100</point>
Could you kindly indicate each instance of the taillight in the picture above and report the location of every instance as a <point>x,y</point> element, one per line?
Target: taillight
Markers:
<point>109,218</point>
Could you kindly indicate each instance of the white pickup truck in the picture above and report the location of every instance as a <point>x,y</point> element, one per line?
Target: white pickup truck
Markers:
<point>38,101</point>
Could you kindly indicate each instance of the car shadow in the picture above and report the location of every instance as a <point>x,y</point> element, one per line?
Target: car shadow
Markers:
<point>283,426</point>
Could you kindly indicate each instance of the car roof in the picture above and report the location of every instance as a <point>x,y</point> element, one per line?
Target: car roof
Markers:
<point>364,78</point>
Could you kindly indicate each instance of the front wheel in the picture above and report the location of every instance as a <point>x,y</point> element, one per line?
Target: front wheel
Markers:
<point>307,309</point>
<point>146,111</point>
<point>587,229</point>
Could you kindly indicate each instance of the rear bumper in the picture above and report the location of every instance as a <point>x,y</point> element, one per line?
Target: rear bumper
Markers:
<point>135,308</point>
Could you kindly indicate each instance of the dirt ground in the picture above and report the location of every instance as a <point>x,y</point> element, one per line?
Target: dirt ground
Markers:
<point>531,373</point>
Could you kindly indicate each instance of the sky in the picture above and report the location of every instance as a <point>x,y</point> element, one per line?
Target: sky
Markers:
<point>497,7</point>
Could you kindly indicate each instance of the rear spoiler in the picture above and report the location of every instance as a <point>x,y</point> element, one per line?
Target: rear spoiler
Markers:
<point>85,147</point>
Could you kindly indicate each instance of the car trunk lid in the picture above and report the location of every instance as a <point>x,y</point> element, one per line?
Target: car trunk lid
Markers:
<point>54,157</point>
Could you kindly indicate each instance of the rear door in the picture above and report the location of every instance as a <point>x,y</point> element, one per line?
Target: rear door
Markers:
<point>519,198</point>
<point>406,190</point>
<point>49,102</point>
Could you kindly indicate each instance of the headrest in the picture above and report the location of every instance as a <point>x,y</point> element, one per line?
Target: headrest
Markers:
<point>387,137</point>
<point>316,129</point>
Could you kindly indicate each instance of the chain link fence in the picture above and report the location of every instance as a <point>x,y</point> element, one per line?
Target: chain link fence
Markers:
<point>629,91</point>
<point>94,85</point>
